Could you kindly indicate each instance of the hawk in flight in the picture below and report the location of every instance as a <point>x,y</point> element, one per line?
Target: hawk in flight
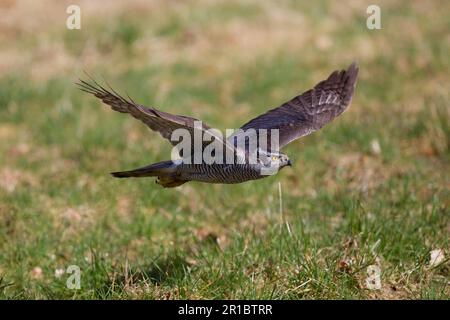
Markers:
<point>296,118</point>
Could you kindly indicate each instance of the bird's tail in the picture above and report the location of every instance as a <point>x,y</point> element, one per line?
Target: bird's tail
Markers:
<point>164,168</point>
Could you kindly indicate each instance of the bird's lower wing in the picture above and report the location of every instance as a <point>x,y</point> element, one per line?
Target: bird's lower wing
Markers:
<point>309,111</point>
<point>162,122</point>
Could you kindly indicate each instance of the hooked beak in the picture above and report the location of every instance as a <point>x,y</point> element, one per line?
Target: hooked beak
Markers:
<point>289,163</point>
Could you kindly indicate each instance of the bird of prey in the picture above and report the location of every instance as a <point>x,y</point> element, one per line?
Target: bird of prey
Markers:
<point>302,115</point>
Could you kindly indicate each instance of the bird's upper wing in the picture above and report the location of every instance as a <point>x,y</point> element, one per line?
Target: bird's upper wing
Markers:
<point>162,122</point>
<point>309,111</point>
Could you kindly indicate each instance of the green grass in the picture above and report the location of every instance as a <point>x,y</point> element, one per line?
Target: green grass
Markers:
<point>344,204</point>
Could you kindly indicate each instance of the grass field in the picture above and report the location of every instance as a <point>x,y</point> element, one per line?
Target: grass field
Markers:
<point>370,189</point>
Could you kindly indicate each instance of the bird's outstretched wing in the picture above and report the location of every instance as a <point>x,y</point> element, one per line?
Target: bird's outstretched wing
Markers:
<point>162,122</point>
<point>309,111</point>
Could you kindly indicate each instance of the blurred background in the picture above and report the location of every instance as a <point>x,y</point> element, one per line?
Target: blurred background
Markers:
<point>370,189</point>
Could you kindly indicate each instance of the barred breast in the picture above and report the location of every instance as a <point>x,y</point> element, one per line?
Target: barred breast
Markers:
<point>220,173</point>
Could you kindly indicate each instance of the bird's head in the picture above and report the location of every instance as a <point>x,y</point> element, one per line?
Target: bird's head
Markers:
<point>274,159</point>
